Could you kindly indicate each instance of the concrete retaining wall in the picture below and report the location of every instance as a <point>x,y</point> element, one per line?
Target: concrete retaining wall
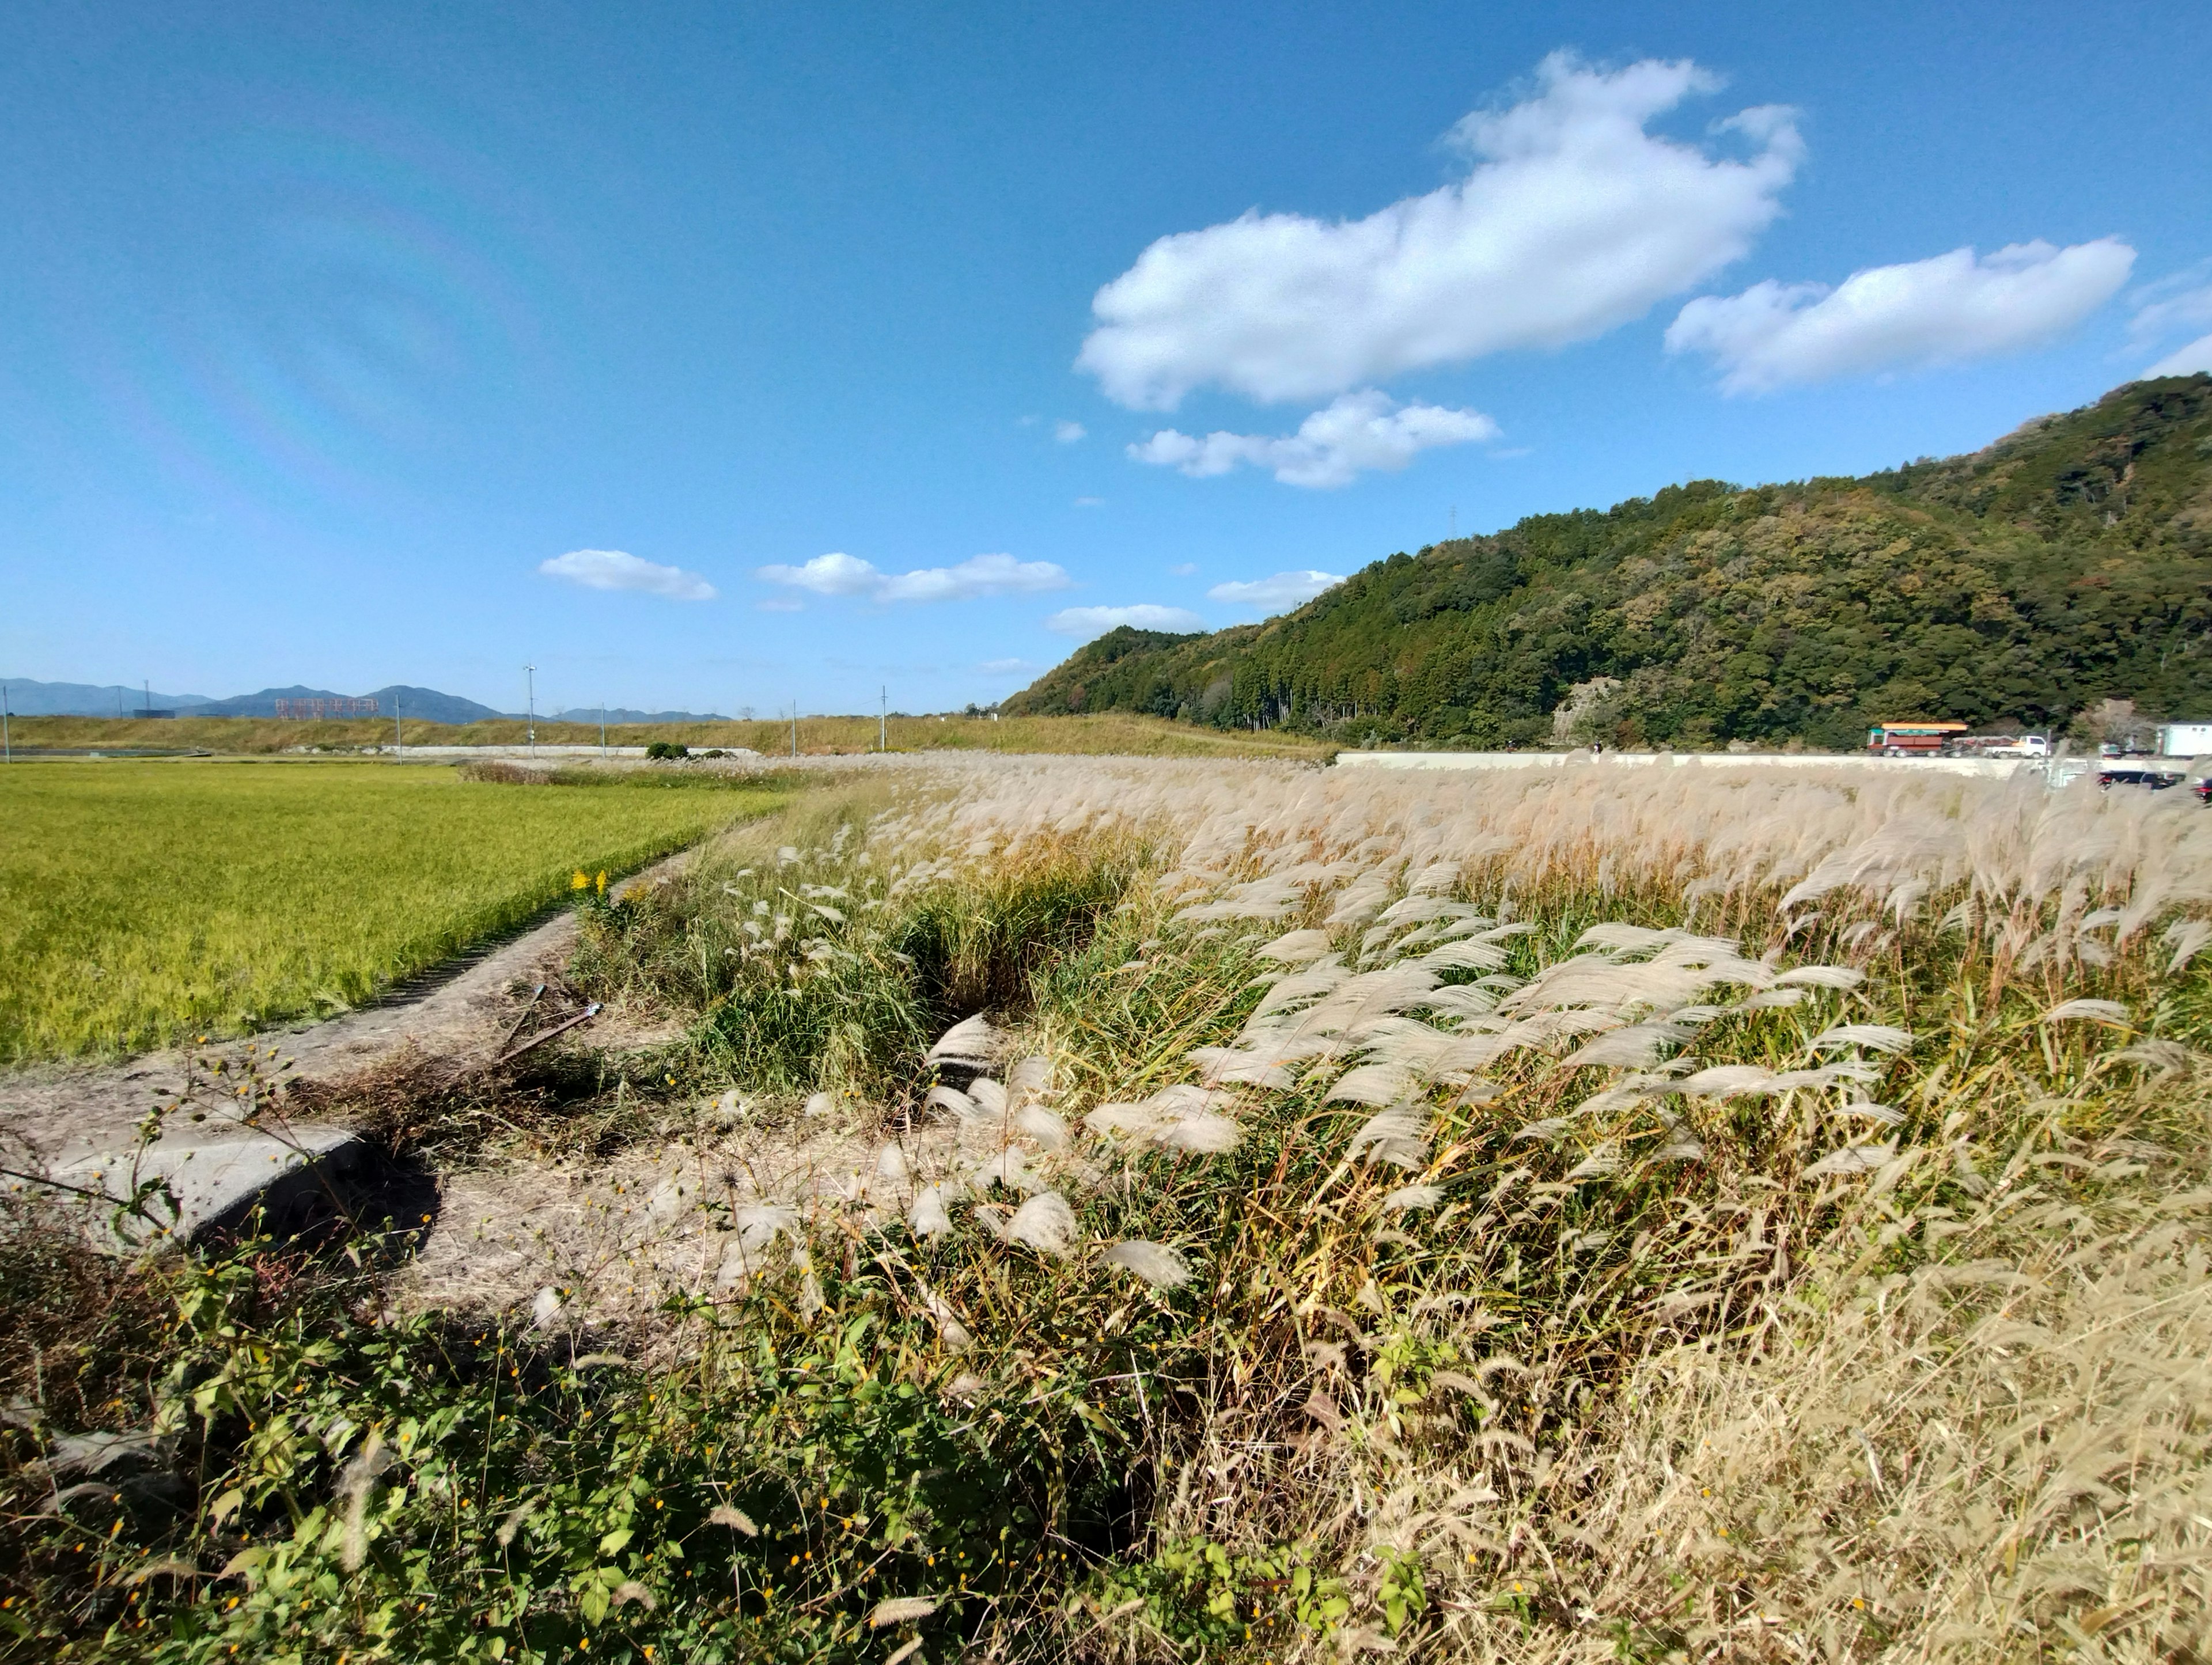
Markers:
<point>1987,768</point>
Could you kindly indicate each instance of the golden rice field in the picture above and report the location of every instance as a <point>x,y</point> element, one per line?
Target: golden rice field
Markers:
<point>143,900</point>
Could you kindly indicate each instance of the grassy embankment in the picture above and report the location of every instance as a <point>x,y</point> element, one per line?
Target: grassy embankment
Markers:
<point>140,901</point>
<point>1746,1219</point>
<point>1114,734</point>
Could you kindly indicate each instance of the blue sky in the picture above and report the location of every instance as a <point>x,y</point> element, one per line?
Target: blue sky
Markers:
<point>324,329</point>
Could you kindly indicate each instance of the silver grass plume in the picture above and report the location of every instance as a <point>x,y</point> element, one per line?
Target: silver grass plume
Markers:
<point>1044,1223</point>
<point>2087,1011</point>
<point>952,1099</point>
<point>1821,976</point>
<point>356,1482</point>
<point>1406,1198</point>
<point>1875,1037</point>
<point>1041,1124</point>
<point>1203,1135</point>
<point>1008,1168</point>
<point>1726,1081</point>
<point>1852,1159</point>
<point>955,1334</point>
<point>1297,947</point>
<point>1221,1065</point>
<point>1156,1263</point>
<point>929,1218</point>
<point>1398,1136</point>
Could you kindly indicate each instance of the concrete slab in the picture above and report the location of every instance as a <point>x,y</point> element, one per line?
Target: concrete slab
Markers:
<point>217,1173</point>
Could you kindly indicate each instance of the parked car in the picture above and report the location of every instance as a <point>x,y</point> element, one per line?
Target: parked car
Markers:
<point>2131,774</point>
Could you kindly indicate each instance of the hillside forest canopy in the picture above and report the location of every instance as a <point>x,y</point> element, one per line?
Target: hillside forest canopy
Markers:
<point>2058,577</point>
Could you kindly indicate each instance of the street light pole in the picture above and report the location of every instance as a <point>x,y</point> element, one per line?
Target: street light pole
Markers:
<point>883,719</point>
<point>530,708</point>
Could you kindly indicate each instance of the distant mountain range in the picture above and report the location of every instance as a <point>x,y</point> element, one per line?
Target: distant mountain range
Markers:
<point>421,705</point>
<point>84,699</point>
<point>622,714</point>
<point>77,699</point>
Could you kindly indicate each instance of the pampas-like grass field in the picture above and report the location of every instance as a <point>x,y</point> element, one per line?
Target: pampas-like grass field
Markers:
<point>1522,1217</point>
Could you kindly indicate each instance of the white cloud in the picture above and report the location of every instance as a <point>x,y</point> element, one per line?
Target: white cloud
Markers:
<point>1086,622</point>
<point>2189,361</point>
<point>1008,668</point>
<point>1572,220</point>
<point>1941,310</point>
<point>779,604</point>
<point>841,575</point>
<point>1278,593</point>
<point>1184,569</point>
<point>613,569</point>
<point>2168,308</point>
<point>1363,430</point>
<point>1067,433</point>
<point>1091,502</point>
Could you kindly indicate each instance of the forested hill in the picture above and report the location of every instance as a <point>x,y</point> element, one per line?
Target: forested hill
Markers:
<point>2069,563</point>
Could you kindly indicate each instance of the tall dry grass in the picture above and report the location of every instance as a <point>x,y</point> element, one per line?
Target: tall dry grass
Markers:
<point>1498,1217</point>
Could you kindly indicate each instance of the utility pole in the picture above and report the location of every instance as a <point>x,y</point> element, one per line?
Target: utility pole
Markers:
<point>150,696</point>
<point>7,740</point>
<point>883,719</point>
<point>1455,521</point>
<point>794,728</point>
<point>603,726</point>
<point>398,742</point>
<point>529,708</point>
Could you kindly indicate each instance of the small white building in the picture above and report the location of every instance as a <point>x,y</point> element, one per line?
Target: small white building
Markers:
<point>2184,740</point>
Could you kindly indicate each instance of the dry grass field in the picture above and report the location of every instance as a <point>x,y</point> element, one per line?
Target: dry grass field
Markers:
<point>1503,1217</point>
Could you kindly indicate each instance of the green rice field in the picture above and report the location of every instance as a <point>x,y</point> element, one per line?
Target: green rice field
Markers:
<point>140,901</point>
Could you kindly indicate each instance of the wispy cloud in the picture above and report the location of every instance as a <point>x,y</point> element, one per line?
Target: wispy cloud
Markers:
<point>1091,502</point>
<point>1273,594</point>
<point>1008,668</point>
<point>1183,569</point>
<point>1573,219</point>
<point>1360,431</point>
<point>841,575</point>
<point>616,569</point>
<point>1085,622</point>
<point>780,603</point>
<point>2167,308</point>
<point>1946,310</point>
<point>2194,359</point>
<point>1068,433</point>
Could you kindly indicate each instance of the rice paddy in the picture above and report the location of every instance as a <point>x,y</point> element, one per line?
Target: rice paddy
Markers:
<point>141,901</point>
<point>1146,1212</point>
